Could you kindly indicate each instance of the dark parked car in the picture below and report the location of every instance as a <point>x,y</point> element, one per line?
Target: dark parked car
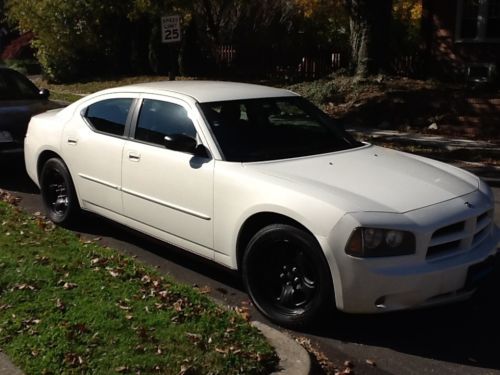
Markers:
<point>19,100</point>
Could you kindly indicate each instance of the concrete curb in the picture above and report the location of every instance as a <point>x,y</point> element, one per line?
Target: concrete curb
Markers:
<point>7,367</point>
<point>294,359</point>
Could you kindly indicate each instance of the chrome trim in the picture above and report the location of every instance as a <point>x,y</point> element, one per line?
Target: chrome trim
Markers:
<point>168,205</point>
<point>156,228</point>
<point>101,182</point>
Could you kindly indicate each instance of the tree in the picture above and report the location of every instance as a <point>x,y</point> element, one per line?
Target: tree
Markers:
<point>370,26</point>
<point>73,38</point>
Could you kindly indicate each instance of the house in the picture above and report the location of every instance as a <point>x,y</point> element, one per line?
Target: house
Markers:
<point>462,39</point>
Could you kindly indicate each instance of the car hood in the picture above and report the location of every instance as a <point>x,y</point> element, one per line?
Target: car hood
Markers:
<point>372,178</point>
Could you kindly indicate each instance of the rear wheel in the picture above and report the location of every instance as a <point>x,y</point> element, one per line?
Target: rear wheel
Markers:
<point>286,275</point>
<point>58,192</point>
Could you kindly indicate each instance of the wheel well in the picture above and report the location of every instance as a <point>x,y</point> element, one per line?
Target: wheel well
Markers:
<point>255,223</point>
<point>44,156</point>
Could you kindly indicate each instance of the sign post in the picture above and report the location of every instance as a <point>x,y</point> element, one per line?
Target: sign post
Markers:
<point>171,33</point>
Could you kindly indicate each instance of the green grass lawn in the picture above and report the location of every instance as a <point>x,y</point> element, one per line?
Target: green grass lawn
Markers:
<point>68,305</point>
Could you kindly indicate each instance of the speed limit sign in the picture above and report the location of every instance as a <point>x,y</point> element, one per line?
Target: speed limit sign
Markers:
<point>170,29</point>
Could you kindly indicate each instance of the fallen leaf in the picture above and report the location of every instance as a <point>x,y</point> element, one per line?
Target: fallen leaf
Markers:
<point>24,287</point>
<point>124,307</point>
<point>243,312</point>
<point>113,273</point>
<point>73,359</point>
<point>178,305</point>
<point>163,293</point>
<point>205,290</point>
<point>194,337</point>
<point>60,305</point>
<point>95,261</point>
<point>69,286</point>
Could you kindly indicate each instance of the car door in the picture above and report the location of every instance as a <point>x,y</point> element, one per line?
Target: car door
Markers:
<point>92,148</point>
<point>169,191</point>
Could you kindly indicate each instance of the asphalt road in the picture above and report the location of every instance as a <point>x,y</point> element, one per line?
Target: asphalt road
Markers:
<point>461,338</point>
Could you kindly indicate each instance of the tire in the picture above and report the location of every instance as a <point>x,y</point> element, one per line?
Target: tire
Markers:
<point>287,276</point>
<point>58,192</point>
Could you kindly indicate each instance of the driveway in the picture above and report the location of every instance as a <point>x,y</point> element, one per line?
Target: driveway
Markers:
<point>461,338</point>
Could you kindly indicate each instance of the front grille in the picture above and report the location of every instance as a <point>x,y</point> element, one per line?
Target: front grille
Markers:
<point>450,229</point>
<point>460,236</point>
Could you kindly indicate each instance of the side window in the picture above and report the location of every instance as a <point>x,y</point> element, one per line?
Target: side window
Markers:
<point>158,119</point>
<point>110,115</point>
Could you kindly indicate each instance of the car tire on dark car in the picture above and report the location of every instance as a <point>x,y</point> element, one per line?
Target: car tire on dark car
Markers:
<point>58,192</point>
<point>287,276</point>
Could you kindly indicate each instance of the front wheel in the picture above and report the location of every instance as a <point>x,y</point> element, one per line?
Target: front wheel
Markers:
<point>58,193</point>
<point>286,275</point>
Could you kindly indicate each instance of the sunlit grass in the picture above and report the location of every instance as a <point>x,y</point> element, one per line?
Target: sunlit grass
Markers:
<point>68,305</point>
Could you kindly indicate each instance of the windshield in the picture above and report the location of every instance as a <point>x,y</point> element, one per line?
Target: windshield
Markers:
<point>14,86</point>
<point>273,128</point>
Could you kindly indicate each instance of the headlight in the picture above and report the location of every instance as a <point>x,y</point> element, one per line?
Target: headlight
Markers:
<point>376,242</point>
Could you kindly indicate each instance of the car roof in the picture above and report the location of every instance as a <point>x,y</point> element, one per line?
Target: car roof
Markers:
<point>208,91</point>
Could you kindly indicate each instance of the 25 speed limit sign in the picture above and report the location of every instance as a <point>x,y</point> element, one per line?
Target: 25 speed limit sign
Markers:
<point>170,29</point>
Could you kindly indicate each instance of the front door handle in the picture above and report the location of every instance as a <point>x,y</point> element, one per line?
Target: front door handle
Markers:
<point>72,141</point>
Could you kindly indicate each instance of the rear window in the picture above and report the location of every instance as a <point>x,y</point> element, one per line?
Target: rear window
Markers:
<point>15,86</point>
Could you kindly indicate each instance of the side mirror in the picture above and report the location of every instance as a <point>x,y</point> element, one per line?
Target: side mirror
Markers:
<point>44,93</point>
<point>180,142</point>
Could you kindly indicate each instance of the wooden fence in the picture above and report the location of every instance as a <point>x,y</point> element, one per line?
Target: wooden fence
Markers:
<point>317,67</point>
<point>225,54</point>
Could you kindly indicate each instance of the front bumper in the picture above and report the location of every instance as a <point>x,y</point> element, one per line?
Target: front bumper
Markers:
<point>367,285</point>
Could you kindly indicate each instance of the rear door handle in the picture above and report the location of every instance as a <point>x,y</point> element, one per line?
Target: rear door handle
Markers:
<point>72,141</point>
<point>134,156</point>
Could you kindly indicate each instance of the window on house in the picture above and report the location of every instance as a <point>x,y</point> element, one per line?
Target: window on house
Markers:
<point>478,20</point>
<point>493,22</point>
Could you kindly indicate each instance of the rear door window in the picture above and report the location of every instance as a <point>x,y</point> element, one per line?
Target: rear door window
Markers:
<point>110,115</point>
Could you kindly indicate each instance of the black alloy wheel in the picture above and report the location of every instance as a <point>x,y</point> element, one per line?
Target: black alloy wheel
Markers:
<point>287,276</point>
<point>58,192</point>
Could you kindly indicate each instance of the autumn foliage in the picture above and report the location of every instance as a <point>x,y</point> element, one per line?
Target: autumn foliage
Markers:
<point>87,38</point>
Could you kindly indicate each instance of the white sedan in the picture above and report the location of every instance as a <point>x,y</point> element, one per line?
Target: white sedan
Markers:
<point>261,181</point>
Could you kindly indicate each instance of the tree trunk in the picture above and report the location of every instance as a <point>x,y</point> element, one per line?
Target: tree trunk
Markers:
<point>370,25</point>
